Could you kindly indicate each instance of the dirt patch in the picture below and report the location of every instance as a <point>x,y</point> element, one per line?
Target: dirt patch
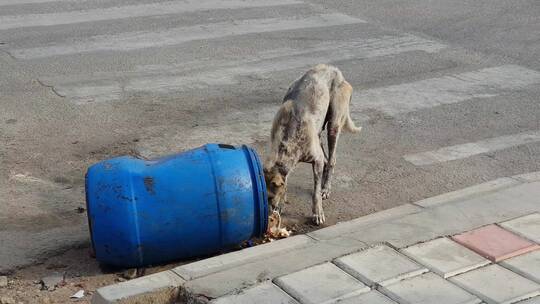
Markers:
<point>81,271</point>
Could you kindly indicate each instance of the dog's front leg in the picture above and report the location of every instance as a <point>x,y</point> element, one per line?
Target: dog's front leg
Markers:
<point>317,208</point>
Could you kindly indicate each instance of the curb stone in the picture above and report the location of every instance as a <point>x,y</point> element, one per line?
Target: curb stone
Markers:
<point>364,221</point>
<point>250,274</point>
<point>528,177</point>
<point>226,261</point>
<point>300,251</point>
<point>158,288</point>
<point>469,192</point>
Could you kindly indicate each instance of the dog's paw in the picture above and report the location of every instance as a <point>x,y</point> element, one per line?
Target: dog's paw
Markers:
<point>325,194</point>
<point>318,218</point>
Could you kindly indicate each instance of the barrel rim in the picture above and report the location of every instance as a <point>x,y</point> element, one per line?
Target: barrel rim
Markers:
<point>261,189</point>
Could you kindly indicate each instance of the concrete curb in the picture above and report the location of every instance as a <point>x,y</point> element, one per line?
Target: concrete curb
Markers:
<point>158,288</point>
<point>469,192</point>
<point>197,282</point>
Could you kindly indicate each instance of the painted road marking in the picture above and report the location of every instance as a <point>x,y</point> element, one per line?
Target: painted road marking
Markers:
<point>19,2</point>
<point>409,97</point>
<point>130,11</point>
<point>144,39</point>
<point>159,80</point>
<point>470,149</point>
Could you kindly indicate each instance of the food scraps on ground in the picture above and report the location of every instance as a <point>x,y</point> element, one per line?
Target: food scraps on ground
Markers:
<point>275,231</point>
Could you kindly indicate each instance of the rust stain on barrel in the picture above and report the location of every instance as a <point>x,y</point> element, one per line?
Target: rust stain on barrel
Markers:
<point>149,184</point>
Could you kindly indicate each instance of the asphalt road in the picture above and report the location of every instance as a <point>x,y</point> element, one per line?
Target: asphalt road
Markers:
<point>446,90</point>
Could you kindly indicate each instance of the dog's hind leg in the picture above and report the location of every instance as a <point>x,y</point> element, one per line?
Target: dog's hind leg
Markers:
<point>333,136</point>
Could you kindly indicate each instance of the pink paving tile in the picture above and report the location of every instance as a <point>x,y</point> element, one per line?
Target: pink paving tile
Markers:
<point>495,243</point>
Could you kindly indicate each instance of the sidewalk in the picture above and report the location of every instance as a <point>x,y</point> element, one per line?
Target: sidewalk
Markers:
<point>479,244</point>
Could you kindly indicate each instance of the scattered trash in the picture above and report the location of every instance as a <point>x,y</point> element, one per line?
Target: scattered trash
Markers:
<point>78,295</point>
<point>3,281</point>
<point>7,300</point>
<point>275,231</point>
<point>120,279</point>
<point>51,282</point>
<point>133,273</point>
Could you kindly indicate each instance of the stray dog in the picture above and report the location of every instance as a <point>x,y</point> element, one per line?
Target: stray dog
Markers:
<point>318,99</point>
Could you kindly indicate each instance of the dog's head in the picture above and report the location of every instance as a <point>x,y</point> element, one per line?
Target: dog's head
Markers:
<point>276,187</point>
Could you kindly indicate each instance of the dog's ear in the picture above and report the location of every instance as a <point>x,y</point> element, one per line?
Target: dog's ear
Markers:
<point>277,180</point>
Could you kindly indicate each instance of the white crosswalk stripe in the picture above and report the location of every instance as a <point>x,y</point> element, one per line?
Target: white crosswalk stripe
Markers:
<point>130,11</point>
<point>486,82</point>
<point>19,2</point>
<point>169,79</point>
<point>474,148</point>
<point>409,97</point>
<point>140,40</point>
<point>265,62</point>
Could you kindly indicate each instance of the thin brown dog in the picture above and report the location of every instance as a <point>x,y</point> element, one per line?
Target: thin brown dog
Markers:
<point>318,99</point>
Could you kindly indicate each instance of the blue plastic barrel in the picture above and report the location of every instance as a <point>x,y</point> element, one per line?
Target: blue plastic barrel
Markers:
<point>195,203</point>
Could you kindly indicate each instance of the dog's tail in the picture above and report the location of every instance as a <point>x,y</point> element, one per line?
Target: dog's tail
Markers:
<point>349,123</point>
<point>350,126</point>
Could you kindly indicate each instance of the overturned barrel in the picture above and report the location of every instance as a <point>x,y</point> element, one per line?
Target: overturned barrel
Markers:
<point>195,203</point>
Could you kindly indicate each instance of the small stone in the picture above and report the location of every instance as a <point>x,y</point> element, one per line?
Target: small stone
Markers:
<point>51,282</point>
<point>3,281</point>
<point>46,300</point>
<point>7,300</point>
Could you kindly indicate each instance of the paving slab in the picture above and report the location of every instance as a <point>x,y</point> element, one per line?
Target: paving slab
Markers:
<point>495,243</point>
<point>266,293</point>
<point>161,287</point>
<point>428,288</point>
<point>445,257</point>
<point>527,265</point>
<point>379,265</point>
<point>249,274</point>
<point>527,226</point>
<point>372,297</point>
<point>454,217</point>
<point>495,284</point>
<point>321,284</point>
<point>229,260</point>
